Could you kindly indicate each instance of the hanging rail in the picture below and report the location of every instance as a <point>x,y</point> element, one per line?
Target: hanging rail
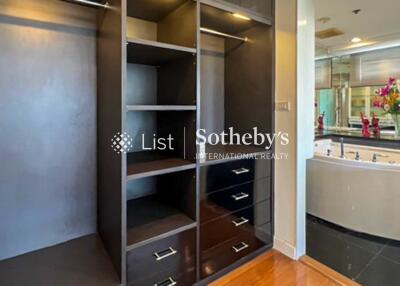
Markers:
<point>88,3</point>
<point>213,32</point>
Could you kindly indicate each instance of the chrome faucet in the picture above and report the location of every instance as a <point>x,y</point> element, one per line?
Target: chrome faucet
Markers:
<point>341,148</point>
<point>357,156</point>
<point>328,152</point>
<point>375,158</point>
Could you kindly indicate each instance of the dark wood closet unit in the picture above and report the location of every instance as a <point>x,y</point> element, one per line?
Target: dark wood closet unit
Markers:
<point>164,69</point>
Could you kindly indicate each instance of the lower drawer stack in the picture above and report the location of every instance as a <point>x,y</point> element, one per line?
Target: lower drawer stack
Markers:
<point>169,261</point>
<point>235,213</point>
<point>169,243</point>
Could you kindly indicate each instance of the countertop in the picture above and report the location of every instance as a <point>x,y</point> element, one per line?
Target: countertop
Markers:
<point>384,136</point>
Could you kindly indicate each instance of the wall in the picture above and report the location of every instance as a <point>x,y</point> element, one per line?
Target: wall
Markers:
<point>294,84</point>
<point>285,90</point>
<point>47,123</point>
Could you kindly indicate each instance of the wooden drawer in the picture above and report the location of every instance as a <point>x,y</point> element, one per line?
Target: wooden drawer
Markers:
<point>216,204</point>
<point>217,258</point>
<point>223,175</point>
<point>251,220</point>
<point>173,257</point>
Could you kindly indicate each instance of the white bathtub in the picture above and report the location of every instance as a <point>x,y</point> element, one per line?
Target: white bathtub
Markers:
<point>360,195</point>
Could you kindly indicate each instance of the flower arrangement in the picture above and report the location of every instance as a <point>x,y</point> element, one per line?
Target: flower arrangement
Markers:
<point>388,99</point>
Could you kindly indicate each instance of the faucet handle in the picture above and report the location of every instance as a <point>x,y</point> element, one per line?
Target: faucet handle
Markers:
<point>357,156</point>
<point>375,158</point>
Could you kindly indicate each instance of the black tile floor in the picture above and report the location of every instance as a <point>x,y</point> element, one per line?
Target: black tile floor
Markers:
<point>369,260</point>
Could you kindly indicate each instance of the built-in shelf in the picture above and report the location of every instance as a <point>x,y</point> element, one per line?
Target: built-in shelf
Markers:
<point>151,10</point>
<point>160,107</point>
<point>154,53</point>
<point>230,8</point>
<point>150,218</point>
<point>151,163</point>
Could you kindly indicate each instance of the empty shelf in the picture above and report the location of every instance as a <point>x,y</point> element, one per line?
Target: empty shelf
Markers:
<point>150,219</point>
<point>161,107</point>
<point>155,53</point>
<point>150,163</point>
<point>82,261</point>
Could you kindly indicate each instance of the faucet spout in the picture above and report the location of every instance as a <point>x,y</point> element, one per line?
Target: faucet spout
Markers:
<point>341,148</point>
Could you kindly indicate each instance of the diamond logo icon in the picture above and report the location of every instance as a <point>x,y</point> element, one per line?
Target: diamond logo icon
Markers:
<point>121,143</point>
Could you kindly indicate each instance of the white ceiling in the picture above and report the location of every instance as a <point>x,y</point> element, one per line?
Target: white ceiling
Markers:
<point>377,23</point>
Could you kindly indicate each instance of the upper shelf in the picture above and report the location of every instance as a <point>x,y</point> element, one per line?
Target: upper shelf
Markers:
<point>232,7</point>
<point>152,10</point>
<point>155,53</point>
<point>160,107</point>
<point>225,21</point>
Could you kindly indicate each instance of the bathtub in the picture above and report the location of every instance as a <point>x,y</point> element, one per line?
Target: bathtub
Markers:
<point>361,195</point>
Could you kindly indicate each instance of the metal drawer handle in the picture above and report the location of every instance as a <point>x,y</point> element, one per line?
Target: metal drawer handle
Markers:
<point>241,246</point>
<point>160,256</point>
<point>167,282</point>
<point>240,221</point>
<point>240,196</point>
<point>240,171</point>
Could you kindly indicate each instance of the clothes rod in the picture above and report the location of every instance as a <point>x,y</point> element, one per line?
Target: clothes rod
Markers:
<point>87,3</point>
<point>213,32</point>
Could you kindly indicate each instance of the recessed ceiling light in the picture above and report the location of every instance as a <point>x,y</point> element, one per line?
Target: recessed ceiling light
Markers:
<point>240,16</point>
<point>356,40</point>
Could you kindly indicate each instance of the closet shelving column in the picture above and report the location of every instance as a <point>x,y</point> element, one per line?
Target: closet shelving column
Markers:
<point>160,102</point>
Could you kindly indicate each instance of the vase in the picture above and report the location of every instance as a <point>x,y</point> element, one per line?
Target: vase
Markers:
<point>396,119</point>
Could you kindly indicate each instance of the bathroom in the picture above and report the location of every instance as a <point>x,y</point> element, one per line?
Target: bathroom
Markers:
<point>352,182</point>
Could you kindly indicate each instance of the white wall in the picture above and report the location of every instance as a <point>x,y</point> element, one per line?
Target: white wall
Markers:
<point>294,84</point>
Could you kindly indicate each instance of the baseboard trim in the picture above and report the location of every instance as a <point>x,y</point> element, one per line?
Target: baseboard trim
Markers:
<point>285,248</point>
<point>328,272</point>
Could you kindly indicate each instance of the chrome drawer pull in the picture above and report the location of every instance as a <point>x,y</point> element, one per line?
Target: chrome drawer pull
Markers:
<point>240,196</point>
<point>168,282</point>
<point>160,256</point>
<point>240,221</point>
<point>240,247</point>
<point>241,171</point>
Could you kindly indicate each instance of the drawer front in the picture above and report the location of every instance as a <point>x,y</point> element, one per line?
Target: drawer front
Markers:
<point>232,173</point>
<point>250,220</point>
<point>217,258</point>
<point>167,279</point>
<point>223,202</point>
<point>173,257</point>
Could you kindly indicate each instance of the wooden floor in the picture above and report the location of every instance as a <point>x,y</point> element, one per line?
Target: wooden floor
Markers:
<point>274,269</point>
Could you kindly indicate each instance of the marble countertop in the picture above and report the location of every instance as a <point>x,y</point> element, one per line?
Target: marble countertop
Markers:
<point>384,136</point>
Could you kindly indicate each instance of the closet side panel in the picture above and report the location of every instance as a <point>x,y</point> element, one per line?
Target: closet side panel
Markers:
<point>110,71</point>
<point>47,124</point>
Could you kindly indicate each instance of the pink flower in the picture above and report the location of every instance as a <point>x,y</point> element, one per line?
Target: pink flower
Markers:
<point>384,91</point>
<point>392,81</point>
<point>377,102</point>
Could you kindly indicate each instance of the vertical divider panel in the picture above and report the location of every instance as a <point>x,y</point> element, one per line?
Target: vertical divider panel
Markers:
<point>111,62</point>
<point>198,120</point>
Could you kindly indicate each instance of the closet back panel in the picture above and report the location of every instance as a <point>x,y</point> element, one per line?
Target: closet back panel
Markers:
<point>248,71</point>
<point>47,123</point>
